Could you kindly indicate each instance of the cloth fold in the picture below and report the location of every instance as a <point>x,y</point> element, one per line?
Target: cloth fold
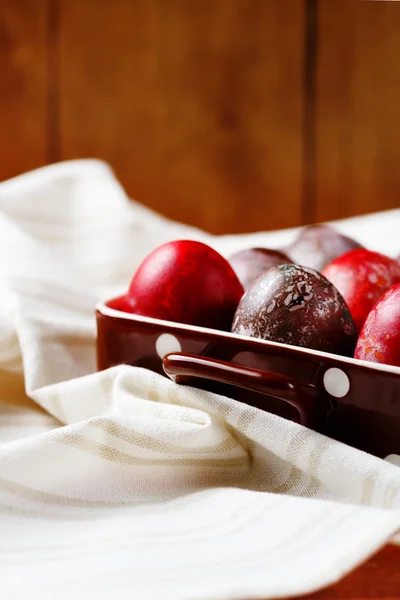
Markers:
<point>123,484</point>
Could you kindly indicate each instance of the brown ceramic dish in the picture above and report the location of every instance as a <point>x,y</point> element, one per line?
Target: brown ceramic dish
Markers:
<point>353,401</point>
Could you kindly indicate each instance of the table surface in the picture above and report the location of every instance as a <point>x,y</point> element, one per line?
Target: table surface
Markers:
<point>377,579</point>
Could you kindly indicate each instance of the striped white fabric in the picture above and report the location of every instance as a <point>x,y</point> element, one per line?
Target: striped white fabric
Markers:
<point>123,485</point>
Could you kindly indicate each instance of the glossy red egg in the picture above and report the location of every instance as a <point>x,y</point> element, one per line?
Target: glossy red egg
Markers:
<point>186,282</point>
<point>362,276</point>
<point>120,303</point>
<point>379,340</point>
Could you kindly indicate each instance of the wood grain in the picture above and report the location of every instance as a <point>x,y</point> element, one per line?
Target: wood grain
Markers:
<point>198,105</point>
<point>377,579</point>
<point>204,108</point>
<point>357,108</point>
<point>23,86</point>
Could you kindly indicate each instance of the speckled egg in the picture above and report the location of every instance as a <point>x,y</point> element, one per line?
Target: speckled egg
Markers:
<point>296,305</point>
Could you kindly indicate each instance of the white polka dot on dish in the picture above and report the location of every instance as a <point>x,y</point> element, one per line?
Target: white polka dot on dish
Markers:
<point>336,382</point>
<point>167,343</point>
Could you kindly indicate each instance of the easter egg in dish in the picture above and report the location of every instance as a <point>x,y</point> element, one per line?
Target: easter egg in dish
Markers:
<point>250,263</point>
<point>188,282</point>
<point>120,303</point>
<point>317,245</point>
<point>379,339</point>
<point>296,305</point>
<point>362,276</point>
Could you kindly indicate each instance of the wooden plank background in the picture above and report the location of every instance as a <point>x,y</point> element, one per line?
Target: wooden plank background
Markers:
<point>24,81</point>
<point>234,115</point>
<point>357,108</point>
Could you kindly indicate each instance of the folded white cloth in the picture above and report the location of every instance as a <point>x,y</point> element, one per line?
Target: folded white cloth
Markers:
<point>122,484</point>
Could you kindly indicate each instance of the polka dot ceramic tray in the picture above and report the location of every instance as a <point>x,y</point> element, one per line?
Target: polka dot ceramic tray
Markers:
<point>351,400</point>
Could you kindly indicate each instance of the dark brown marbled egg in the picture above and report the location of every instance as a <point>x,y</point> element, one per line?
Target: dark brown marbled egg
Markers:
<point>317,245</point>
<point>296,305</point>
<point>251,263</point>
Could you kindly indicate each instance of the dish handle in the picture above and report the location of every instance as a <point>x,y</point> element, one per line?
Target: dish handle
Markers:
<point>181,367</point>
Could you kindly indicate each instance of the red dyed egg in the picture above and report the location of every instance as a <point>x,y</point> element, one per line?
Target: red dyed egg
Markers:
<point>379,340</point>
<point>187,282</point>
<point>362,276</point>
<point>252,262</point>
<point>120,303</point>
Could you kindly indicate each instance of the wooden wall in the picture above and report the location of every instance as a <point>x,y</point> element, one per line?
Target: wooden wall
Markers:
<point>234,115</point>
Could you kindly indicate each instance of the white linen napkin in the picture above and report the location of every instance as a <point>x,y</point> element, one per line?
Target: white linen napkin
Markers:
<point>122,484</point>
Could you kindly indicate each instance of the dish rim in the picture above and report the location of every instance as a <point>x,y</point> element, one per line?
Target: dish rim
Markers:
<point>106,311</point>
